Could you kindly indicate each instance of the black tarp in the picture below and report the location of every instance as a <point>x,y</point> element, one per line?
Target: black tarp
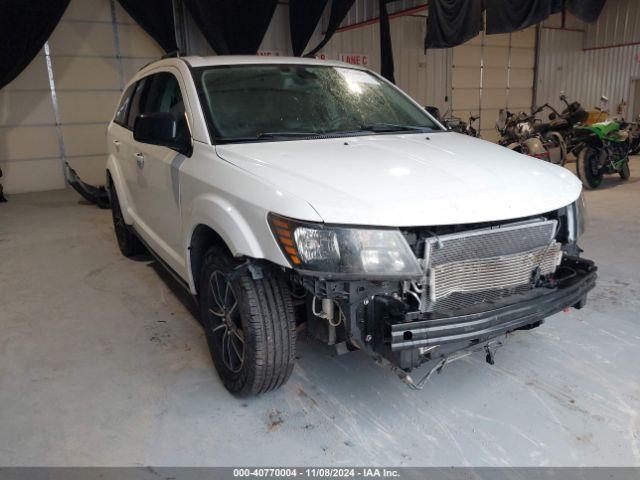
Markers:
<point>156,18</point>
<point>24,27</point>
<point>452,22</point>
<point>339,10</point>
<point>233,27</point>
<point>304,16</point>
<point>386,50</point>
<point>586,10</point>
<point>505,17</point>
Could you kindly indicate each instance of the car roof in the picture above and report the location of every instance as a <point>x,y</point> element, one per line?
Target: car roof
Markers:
<point>197,61</point>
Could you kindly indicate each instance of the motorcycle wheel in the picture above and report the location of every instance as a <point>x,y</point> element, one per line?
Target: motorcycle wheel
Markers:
<point>587,168</point>
<point>625,173</point>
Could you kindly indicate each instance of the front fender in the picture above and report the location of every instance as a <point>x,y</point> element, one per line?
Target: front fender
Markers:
<point>117,177</point>
<point>221,216</point>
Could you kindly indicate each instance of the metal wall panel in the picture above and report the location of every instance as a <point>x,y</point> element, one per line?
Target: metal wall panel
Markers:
<point>619,24</point>
<point>490,72</point>
<point>584,75</point>
<point>92,51</point>
<point>364,10</point>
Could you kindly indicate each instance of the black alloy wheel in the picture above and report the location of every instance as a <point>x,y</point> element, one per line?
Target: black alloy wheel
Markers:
<point>225,322</point>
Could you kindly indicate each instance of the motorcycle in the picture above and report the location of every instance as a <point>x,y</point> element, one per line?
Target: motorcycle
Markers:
<point>517,132</point>
<point>602,148</point>
<point>562,124</point>
<point>453,123</point>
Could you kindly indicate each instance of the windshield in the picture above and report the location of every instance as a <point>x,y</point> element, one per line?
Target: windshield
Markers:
<point>255,102</point>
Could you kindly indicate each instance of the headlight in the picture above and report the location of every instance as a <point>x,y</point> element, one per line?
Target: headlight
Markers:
<point>345,251</point>
<point>577,218</point>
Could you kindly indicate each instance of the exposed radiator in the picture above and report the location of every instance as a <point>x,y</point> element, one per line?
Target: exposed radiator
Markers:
<point>483,265</point>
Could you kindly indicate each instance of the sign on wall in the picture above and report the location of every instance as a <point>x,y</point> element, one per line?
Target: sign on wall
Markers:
<point>269,53</point>
<point>355,59</point>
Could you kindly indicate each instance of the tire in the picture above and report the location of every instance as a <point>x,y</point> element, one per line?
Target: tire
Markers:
<point>584,168</point>
<point>128,242</point>
<point>625,173</point>
<point>250,328</point>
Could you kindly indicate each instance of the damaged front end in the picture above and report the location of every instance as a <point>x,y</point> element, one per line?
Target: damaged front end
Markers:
<point>470,284</point>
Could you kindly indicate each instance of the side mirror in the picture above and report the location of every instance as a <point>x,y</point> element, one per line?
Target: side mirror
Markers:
<point>163,128</point>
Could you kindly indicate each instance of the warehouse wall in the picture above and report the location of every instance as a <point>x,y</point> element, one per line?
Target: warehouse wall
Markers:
<point>93,51</point>
<point>29,149</point>
<point>585,62</point>
<point>619,24</point>
<point>491,72</point>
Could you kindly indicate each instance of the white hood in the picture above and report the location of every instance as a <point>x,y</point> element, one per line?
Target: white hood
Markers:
<point>408,179</point>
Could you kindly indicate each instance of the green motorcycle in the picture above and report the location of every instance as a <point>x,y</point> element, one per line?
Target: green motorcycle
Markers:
<point>601,148</point>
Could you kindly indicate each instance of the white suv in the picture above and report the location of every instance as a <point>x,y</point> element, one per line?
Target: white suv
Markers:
<point>292,191</point>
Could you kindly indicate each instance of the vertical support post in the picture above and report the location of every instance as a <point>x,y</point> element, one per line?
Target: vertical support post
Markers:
<point>56,112</point>
<point>509,74</point>
<point>116,42</point>
<point>536,61</point>
<point>481,83</point>
<point>179,27</point>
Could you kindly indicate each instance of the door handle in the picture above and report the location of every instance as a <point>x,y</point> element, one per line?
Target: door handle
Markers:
<point>140,160</point>
<point>117,144</point>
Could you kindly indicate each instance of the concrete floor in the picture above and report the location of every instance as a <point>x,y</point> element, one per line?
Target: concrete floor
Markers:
<point>102,363</point>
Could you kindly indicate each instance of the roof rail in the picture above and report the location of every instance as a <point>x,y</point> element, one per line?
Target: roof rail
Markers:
<point>173,54</point>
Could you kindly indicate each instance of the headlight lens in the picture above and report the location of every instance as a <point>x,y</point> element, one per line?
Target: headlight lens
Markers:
<point>577,218</point>
<point>342,250</point>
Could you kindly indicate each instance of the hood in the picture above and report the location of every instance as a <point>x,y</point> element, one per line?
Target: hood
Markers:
<point>408,179</point>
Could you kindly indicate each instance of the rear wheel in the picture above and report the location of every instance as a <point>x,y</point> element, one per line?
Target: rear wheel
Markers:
<point>624,172</point>
<point>587,168</point>
<point>128,243</point>
<point>249,325</point>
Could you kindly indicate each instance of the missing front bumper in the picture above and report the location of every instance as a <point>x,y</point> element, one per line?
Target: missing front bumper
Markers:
<point>411,338</point>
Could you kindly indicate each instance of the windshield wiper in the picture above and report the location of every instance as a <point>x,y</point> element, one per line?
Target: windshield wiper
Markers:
<point>267,135</point>
<point>286,134</point>
<point>392,127</point>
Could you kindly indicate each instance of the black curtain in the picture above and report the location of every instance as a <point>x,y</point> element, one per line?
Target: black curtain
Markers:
<point>24,27</point>
<point>156,18</point>
<point>233,26</point>
<point>304,16</point>
<point>505,17</point>
<point>339,10</point>
<point>452,22</point>
<point>386,50</point>
<point>586,10</point>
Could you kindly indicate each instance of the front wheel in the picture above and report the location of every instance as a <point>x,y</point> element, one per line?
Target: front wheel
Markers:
<point>624,172</point>
<point>249,325</point>
<point>588,169</point>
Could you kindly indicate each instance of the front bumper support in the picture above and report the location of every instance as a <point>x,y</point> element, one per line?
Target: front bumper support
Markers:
<point>425,332</point>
